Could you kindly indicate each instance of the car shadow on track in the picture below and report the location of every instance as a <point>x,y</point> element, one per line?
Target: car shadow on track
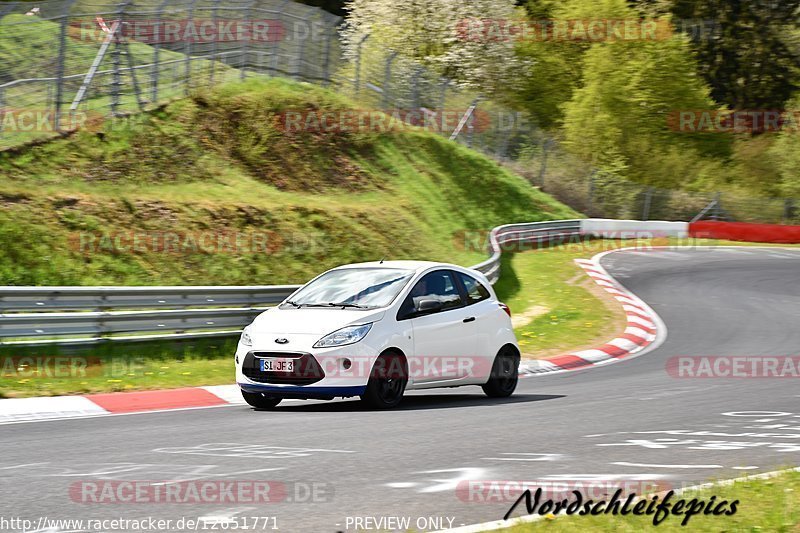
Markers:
<point>416,403</point>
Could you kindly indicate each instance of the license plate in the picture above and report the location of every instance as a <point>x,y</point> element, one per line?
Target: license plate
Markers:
<point>277,365</point>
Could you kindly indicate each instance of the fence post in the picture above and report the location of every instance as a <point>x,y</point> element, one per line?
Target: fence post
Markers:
<point>648,198</point>
<point>276,47</point>
<point>788,208</point>
<point>62,51</point>
<point>471,124</point>
<point>297,73</point>
<point>246,45</point>
<point>2,107</point>
<point>214,48</point>
<point>387,77</point>
<point>415,99</point>
<point>717,206</point>
<point>543,167</point>
<point>590,204</point>
<point>503,148</point>
<point>326,67</point>
<point>156,70</point>
<point>442,126</point>
<point>357,80</point>
<point>188,51</point>
<point>116,83</point>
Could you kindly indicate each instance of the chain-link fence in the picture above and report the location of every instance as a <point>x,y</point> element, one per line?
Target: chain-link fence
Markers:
<point>65,62</point>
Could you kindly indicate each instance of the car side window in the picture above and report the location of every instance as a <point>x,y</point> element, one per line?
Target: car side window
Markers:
<point>439,286</point>
<point>476,292</point>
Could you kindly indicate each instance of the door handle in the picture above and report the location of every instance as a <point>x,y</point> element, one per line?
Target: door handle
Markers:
<point>470,319</point>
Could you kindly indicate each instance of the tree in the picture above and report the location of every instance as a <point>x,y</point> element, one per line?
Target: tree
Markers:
<point>431,32</point>
<point>549,71</point>
<point>747,50</point>
<point>786,151</point>
<point>618,118</point>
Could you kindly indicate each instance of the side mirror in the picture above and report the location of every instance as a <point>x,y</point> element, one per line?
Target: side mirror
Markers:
<point>429,306</point>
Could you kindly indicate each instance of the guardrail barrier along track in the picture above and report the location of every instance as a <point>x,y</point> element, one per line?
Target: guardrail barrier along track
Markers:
<point>89,315</point>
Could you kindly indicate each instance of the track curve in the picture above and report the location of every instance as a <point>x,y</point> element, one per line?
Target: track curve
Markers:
<point>625,421</point>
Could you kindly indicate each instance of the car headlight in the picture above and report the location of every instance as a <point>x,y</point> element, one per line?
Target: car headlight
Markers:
<point>246,340</point>
<point>341,337</point>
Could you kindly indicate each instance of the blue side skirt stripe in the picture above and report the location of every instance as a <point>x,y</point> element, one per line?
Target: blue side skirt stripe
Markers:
<point>305,391</point>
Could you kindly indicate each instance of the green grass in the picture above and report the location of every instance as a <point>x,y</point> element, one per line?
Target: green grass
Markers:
<point>764,505</point>
<point>573,314</point>
<point>50,371</point>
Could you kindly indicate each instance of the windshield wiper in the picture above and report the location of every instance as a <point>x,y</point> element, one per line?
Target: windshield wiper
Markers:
<point>290,302</point>
<point>345,304</point>
<point>336,304</point>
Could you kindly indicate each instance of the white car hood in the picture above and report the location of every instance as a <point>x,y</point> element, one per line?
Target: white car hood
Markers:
<point>310,321</point>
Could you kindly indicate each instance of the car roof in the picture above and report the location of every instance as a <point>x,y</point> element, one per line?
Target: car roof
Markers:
<point>405,265</point>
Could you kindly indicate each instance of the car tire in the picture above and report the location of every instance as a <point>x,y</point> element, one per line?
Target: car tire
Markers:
<point>387,382</point>
<point>259,401</point>
<point>504,376</point>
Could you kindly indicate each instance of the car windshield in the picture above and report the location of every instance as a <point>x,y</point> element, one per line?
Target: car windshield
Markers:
<point>353,288</point>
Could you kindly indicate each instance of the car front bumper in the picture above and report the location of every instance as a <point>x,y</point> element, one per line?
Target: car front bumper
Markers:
<point>318,373</point>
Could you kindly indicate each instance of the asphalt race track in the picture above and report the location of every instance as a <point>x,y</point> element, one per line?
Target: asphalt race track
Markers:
<point>625,421</point>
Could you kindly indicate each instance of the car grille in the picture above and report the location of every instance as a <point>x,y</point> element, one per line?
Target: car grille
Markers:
<point>306,369</point>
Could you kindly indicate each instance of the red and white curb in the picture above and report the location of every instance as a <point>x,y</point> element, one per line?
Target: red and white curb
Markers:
<point>644,329</point>
<point>116,403</point>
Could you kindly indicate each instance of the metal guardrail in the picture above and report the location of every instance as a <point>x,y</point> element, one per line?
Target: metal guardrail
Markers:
<point>540,233</point>
<point>105,298</point>
<point>89,315</point>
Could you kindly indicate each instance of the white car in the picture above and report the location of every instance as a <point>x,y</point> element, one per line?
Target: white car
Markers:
<point>377,329</point>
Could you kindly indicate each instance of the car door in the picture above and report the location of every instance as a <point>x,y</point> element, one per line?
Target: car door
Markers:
<point>443,339</point>
<point>488,321</point>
